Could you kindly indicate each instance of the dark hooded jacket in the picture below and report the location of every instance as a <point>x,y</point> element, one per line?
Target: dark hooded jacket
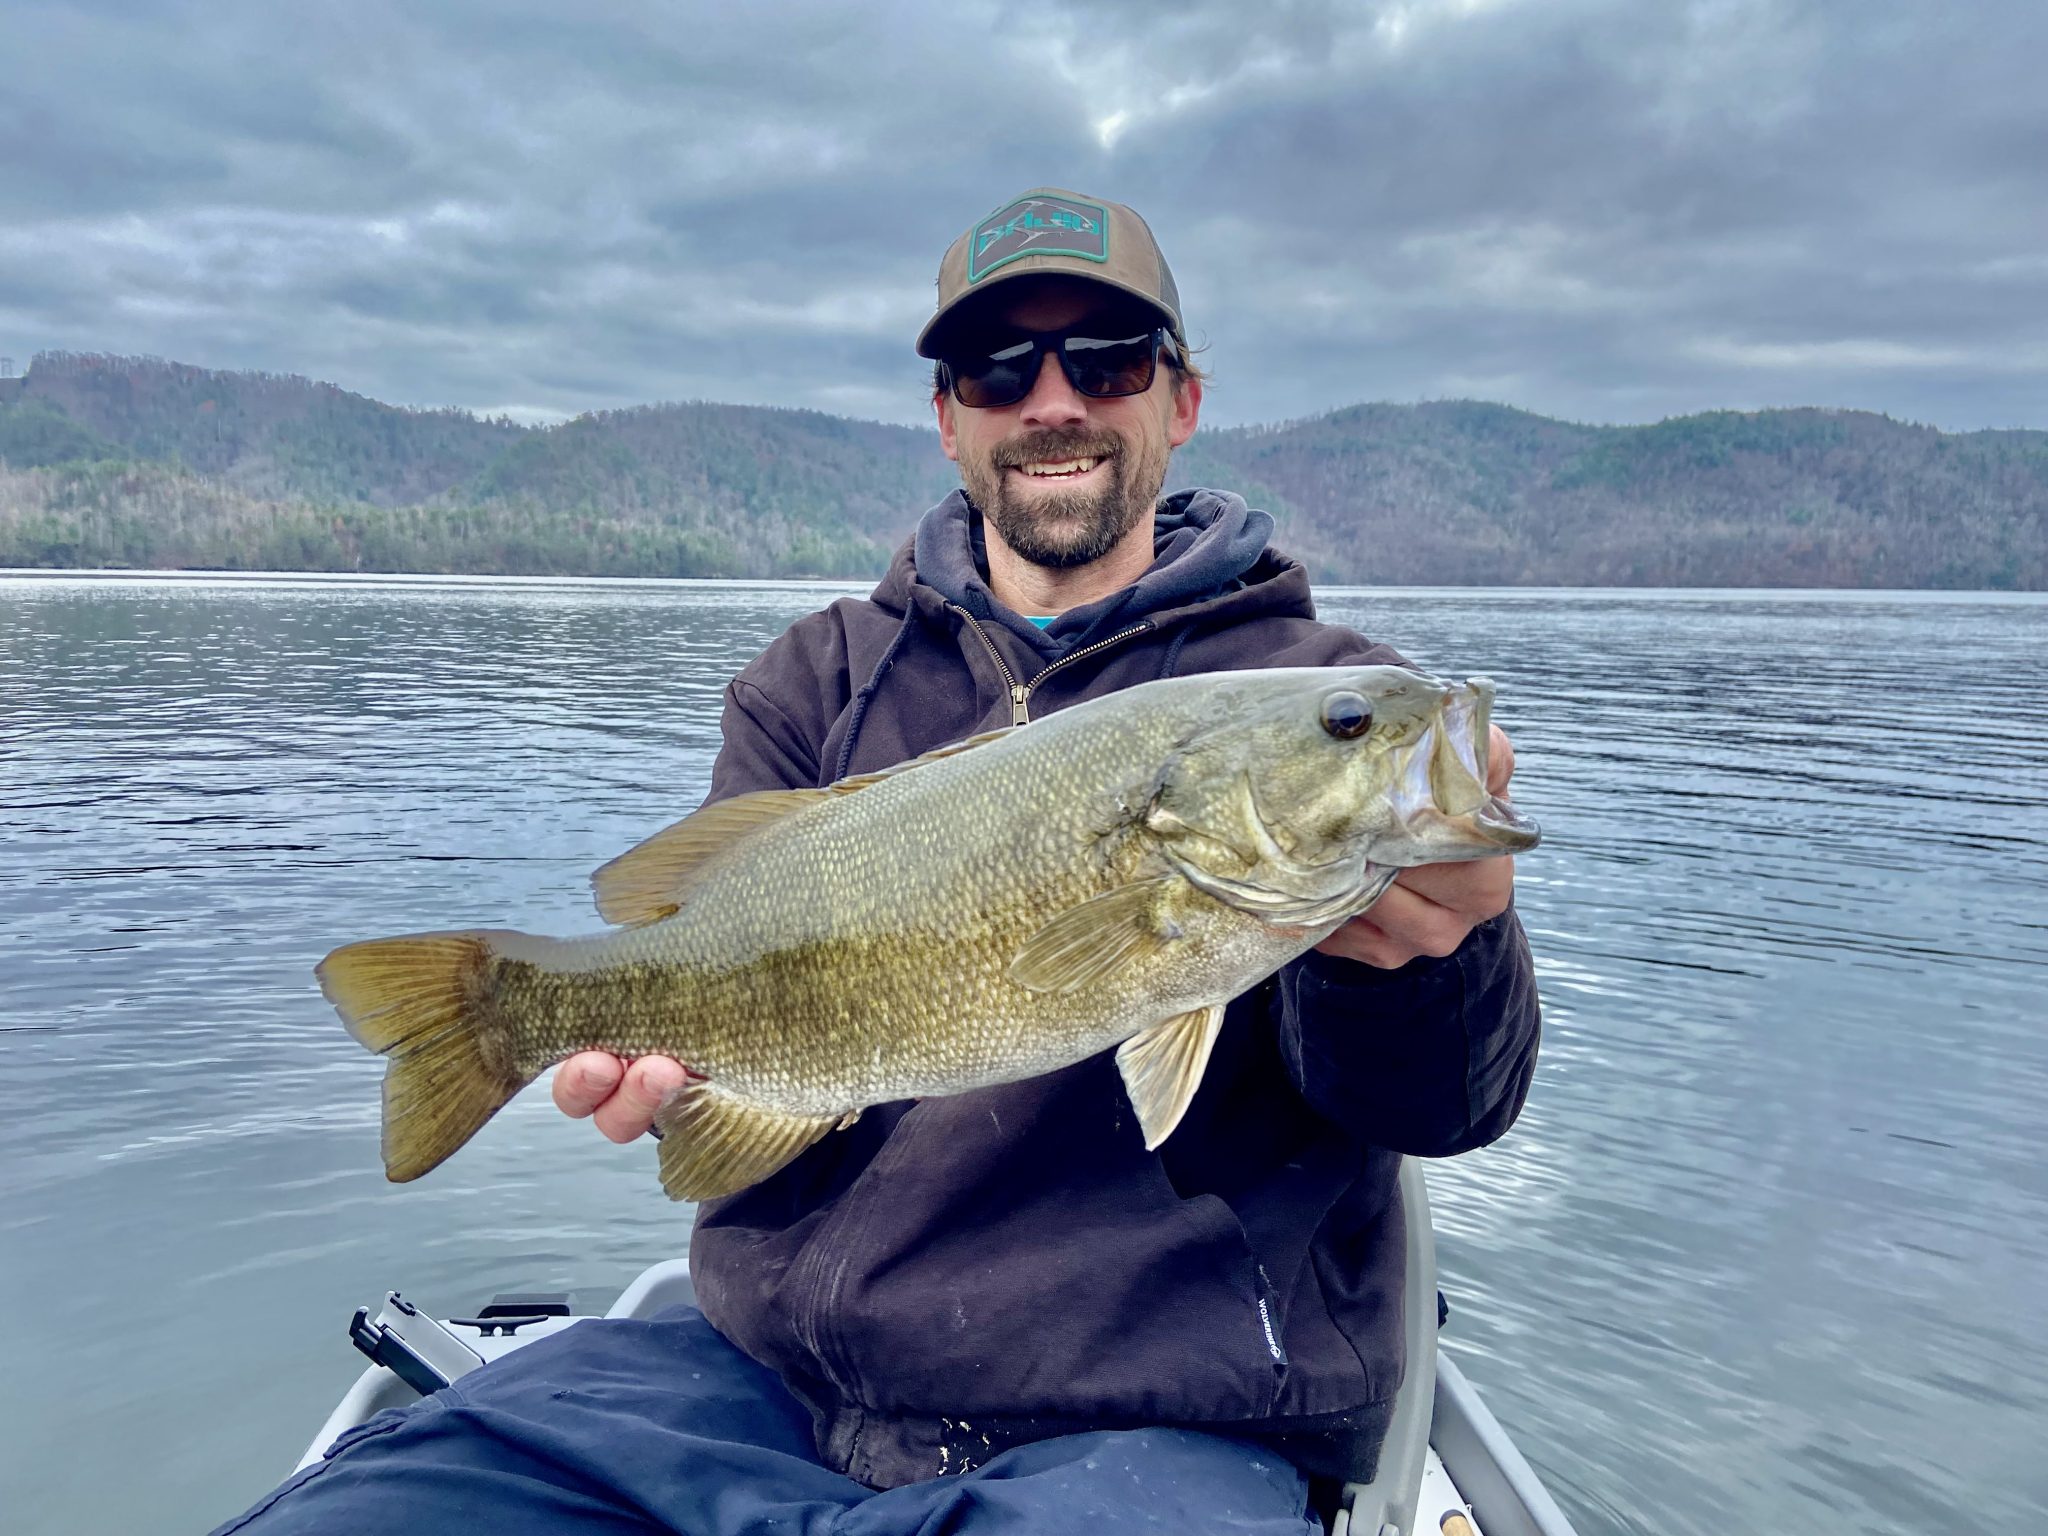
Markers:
<point>953,1276</point>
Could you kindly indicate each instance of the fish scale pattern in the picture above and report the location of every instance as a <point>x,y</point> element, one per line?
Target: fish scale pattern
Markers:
<point>859,950</point>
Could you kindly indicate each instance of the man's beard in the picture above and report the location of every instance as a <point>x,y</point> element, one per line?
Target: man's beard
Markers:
<point>1061,529</point>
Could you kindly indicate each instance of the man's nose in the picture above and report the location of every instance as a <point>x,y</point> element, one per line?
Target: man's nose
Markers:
<point>1053,401</point>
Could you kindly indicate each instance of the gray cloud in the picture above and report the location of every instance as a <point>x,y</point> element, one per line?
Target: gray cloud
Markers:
<point>1598,209</point>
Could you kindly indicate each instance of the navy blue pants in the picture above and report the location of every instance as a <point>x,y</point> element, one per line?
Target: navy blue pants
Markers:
<point>662,1426</point>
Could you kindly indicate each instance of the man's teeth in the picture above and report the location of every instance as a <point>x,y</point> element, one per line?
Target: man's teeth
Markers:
<point>1062,467</point>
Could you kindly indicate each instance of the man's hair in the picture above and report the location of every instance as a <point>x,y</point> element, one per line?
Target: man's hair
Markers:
<point>1182,364</point>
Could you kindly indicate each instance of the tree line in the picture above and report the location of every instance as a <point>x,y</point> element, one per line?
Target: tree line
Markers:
<point>111,461</point>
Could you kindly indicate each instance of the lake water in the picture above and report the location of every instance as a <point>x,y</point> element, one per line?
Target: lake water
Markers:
<point>1768,1250</point>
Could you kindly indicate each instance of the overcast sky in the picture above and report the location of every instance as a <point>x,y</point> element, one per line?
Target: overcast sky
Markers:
<point>1608,210</point>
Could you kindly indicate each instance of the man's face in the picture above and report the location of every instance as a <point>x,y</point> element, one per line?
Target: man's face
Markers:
<point>1060,476</point>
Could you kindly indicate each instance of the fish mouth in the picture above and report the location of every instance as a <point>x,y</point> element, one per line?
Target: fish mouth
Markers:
<point>1505,827</point>
<point>1442,792</point>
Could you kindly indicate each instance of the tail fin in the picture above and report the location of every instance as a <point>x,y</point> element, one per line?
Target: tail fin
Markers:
<point>423,1000</point>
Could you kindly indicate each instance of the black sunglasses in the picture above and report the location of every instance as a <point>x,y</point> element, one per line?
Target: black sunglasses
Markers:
<point>1098,367</point>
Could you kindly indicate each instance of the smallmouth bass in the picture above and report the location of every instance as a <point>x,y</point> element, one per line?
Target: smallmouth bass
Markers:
<point>1109,876</point>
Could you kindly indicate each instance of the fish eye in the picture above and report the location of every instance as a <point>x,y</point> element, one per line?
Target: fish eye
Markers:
<point>1347,715</point>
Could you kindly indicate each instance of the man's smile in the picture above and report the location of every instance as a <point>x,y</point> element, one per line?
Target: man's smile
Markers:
<point>1065,471</point>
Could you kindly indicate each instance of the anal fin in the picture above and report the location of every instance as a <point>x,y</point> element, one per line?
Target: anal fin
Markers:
<point>713,1142</point>
<point>1162,1067</point>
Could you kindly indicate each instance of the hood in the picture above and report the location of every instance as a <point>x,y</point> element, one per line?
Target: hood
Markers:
<point>1205,545</point>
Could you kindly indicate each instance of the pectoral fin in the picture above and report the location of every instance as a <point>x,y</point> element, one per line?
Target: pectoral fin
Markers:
<point>1084,944</point>
<point>714,1142</point>
<point>1163,1065</point>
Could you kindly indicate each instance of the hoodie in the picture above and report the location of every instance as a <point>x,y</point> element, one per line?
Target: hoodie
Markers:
<point>953,1276</point>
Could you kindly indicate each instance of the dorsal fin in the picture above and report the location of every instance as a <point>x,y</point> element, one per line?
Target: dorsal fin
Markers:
<point>950,749</point>
<point>654,879</point>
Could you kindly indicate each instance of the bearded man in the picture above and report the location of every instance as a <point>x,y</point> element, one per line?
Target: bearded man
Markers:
<point>998,1311</point>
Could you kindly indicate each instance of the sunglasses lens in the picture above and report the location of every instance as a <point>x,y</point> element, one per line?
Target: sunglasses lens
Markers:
<point>996,378</point>
<point>1100,369</point>
<point>1106,369</point>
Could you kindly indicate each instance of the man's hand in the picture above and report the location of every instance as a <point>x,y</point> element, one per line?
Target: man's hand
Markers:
<point>1431,908</point>
<point>623,1096</point>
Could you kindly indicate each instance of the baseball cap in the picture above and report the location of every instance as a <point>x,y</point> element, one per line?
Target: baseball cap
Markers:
<point>1052,230</point>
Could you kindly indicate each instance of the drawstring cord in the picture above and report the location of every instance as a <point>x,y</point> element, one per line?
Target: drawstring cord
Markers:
<point>1180,639</point>
<point>867,692</point>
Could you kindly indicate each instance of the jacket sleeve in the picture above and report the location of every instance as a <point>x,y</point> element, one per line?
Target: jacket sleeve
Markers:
<point>760,747</point>
<point>1431,1058</point>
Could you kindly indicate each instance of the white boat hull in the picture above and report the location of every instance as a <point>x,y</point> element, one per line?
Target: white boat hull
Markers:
<point>1445,1453</point>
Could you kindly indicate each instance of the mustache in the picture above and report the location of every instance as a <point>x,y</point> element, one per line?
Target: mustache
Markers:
<point>1038,447</point>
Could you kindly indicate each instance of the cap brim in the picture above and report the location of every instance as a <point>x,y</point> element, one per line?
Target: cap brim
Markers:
<point>932,337</point>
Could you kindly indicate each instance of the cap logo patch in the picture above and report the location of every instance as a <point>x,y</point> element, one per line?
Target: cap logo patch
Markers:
<point>1038,226</point>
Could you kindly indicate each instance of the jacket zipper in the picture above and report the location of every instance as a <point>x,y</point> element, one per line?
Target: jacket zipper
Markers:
<point>822,1313</point>
<point>1020,693</point>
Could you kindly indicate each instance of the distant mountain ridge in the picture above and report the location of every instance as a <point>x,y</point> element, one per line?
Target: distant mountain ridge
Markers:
<point>142,462</point>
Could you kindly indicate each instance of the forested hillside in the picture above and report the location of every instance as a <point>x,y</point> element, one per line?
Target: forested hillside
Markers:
<point>137,462</point>
<point>1461,491</point>
<point>767,492</point>
<point>270,435</point>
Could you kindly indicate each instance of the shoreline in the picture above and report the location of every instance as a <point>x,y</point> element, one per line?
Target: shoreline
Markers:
<point>139,575</point>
